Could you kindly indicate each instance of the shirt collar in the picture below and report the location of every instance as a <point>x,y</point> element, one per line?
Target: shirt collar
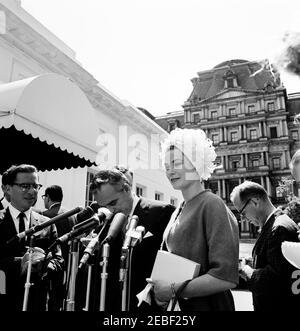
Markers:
<point>270,215</point>
<point>54,204</point>
<point>4,202</point>
<point>15,212</point>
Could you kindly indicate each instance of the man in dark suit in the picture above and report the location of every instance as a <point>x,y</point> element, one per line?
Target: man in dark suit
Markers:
<point>112,190</point>
<point>22,187</point>
<point>270,276</point>
<point>53,197</point>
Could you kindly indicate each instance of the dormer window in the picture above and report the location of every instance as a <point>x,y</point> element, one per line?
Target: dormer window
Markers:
<point>230,79</point>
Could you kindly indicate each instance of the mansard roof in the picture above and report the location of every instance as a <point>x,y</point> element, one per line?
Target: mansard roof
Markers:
<point>251,76</point>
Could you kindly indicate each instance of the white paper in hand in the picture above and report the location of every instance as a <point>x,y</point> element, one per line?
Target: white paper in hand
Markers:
<point>173,268</point>
<point>291,251</point>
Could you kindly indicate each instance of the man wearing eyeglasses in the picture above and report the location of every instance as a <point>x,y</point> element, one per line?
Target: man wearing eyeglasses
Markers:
<point>22,188</point>
<point>270,277</point>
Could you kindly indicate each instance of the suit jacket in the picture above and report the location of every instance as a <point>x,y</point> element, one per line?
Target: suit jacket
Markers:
<point>10,262</point>
<point>272,280</point>
<point>63,226</point>
<point>154,216</point>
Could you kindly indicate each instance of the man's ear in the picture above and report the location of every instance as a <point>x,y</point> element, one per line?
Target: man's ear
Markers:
<point>256,201</point>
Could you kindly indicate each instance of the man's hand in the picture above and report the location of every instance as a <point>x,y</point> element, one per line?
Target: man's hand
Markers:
<point>37,258</point>
<point>245,271</point>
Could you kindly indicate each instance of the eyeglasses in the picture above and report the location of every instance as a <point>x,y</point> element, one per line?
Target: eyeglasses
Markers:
<point>26,187</point>
<point>245,205</point>
<point>44,196</point>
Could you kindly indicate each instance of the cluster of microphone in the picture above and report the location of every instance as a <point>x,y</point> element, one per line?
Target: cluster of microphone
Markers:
<point>101,221</point>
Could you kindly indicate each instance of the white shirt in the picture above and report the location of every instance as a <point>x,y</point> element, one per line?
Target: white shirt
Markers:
<point>273,212</point>
<point>15,216</point>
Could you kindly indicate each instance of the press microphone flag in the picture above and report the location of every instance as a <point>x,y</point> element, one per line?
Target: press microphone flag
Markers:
<point>132,225</point>
<point>137,235</point>
<point>41,226</point>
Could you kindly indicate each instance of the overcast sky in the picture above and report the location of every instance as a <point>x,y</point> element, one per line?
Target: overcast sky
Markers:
<point>147,51</point>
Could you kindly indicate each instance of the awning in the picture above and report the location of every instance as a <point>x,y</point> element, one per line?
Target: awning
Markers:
<point>50,115</point>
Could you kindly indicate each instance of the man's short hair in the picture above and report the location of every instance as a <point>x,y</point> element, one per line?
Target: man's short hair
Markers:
<point>55,193</point>
<point>125,171</point>
<point>113,177</point>
<point>4,178</point>
<point>248,190</point>
<point>294,161</point>
<point>12,172</point>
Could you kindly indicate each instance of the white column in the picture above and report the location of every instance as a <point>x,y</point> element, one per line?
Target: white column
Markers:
<point>268,185</point>
<point>242,161</point>
<point>226,161</point>
<point>241,132</point>
<point>240,181</point>
<point>223,189</point>
<point>225,134</point>
<point>245,132</point>
<point>284,164</point>
<point>221,135</point>
<point>262,162</point>
<point>288,157</point>
<point>265,129</point>
<point>219,188</point>
<point>280,128</point>
<point>259,131</point>
<point>262,181</point>
<point>246,160</point>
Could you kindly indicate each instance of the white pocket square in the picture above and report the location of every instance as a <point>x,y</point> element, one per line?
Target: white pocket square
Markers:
<point>147,235</point>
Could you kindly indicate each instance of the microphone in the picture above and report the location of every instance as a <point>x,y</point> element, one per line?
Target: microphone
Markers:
<point>132,225</point>
<point>137,237</point>
<point>90,248</point>
<point>87,212</point>
<point>116,226</point>
<point>85,226</point>
<point>41,226</point>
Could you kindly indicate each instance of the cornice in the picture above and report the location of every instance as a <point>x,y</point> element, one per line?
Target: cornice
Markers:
<point>36,47</point>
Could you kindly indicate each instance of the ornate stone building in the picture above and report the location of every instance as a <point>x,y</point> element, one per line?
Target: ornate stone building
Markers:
<point>244,109</point>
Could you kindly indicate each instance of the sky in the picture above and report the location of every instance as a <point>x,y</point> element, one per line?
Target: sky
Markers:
<point>147,51</point>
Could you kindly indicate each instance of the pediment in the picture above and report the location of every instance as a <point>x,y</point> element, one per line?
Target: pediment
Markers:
<point>232,93</point>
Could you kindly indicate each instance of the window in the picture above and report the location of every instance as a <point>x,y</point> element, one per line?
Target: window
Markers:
<point>276,163</point>
<point>255,163</point>
<point>196,118</point>
<point>158,196</point>
<point>140,190</point>
<point>215,138</point>
<point>230,82</point>
<point>171,126</point>
<point>173,202</point>
<point>214,115</point>
<point>232,111</point>
<point>233,136</point>
<point>235,165</point>
<point>253,134</point>
<point>271,106</point>
<point>295,135</point>
<point>88,194</point>
<point>251,108</point>
<point>273,132</point>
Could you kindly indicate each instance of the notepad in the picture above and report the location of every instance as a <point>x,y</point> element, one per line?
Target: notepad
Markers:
<point>173,268</point>
<point>291,251</point>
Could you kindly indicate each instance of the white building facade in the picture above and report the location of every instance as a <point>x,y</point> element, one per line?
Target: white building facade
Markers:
<point>125,134</point>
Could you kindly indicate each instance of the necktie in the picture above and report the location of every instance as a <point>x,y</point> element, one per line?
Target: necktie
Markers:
<point>22,227</point>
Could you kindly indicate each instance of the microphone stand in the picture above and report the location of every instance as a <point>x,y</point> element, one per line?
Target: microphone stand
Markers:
<point>27,283</point>
<point>88,287</point>
<point>104,275</point>
<point>74,265</point>
<point>123,276</point>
